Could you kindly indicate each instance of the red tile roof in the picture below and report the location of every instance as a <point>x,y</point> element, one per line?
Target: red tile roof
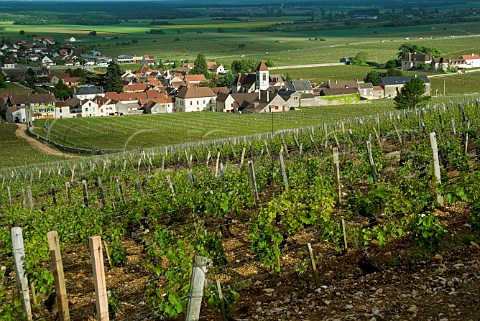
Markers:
<point>195,78</point>
<point>470,57</point>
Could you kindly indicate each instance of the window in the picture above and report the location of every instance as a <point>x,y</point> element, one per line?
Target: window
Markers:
<point>86,109</point>
<point>191,102</point>
<point>231,105</point>
<point>264,76</point>
<point>276,107</point>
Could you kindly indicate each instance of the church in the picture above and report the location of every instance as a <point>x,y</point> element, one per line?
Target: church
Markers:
<point>248,83</point>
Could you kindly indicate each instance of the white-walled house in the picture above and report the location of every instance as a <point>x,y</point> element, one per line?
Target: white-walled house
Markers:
<point>16,115</point>
<point>261,102</point>
<point>160,105</point>
<point>472,61</point>
<point>89,108</point>
<point>189,99</point>
<point>225,103</point>
<point>9,64</point>
<point>214,67</point>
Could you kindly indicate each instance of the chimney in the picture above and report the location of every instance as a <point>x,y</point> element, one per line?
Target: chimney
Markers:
<point>336,82</point>
<point>259,94</point>
<point>268,96</point>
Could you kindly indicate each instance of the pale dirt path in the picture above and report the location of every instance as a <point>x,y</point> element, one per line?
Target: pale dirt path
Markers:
<point>21,133</point>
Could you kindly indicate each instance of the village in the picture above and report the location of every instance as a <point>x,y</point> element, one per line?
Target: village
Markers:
<point>180,89</point>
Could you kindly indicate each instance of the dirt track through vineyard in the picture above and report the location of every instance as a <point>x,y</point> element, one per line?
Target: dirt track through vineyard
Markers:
<point>21,133</point>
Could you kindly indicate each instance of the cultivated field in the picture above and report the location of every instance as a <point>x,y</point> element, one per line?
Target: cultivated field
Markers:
<point>135,132</point>
<point>183,39</point>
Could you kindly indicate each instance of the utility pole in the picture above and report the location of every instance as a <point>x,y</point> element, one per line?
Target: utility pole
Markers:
<point>444,86</point>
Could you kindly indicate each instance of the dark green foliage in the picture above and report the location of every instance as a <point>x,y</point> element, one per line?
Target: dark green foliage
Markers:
<point>412,95</point>
<point>393,72</point>
<point>112,81</point>
<point>244,65</point>
<point>61,91</point>
<point>408,48</point>
<point>392,64</point>
<point>269,63</point>
<point>200,65</point>
<point>3,84</point>
<point>373,77</point>
<point>360,58</point>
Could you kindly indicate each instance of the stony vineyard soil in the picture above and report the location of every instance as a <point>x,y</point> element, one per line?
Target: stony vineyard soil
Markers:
<point>399,281</point>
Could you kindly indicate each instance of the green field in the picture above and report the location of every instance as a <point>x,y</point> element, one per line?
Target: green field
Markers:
<point>332,73</point>
<point>16,151</point>
<point>14,88</point>
<point>456,84</point>
<point>135,132</point>
<point>184,38</point>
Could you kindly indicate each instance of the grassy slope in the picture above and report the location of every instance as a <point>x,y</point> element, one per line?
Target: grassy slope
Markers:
<point>17,152</point>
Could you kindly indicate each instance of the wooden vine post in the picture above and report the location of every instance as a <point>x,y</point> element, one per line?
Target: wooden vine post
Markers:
<point>253,181</point>
<point>314,265</point>
<point>30,200</point>
<point>101,192</point>
<point>217,164</point>
<point>436,164</point>
<point>9,195</point>
<point>345,244</point>
<point>120,191</point>
<point>370,160</point>
<point>101,298</point>
<point>57,270</point>
<point>19,259</point>
<point>197,283</point>
<point>222,301</point>
<point>284,173</point>
<point>68,188</point>
<point>85,193</point>
<point>336,169</point>
<point>54,195</point>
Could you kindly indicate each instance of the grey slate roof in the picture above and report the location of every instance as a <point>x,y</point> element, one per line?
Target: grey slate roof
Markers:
<point>401,80</point>
<point>88,90</point>
<point>302,85</point>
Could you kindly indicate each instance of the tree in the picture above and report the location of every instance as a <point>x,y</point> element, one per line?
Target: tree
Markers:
<point>406,49</point>
<point>242,46</point>
<point>360,58</point>
<point>432,52</point>
<point>244,65</point>
<point>393,72</point>
<point>391,64</point>
<point>200,65</point>
<point>412,94</point>
<point>3,84</point>
<point>228,79</point>
<point>373,77</point>
<point>269,63</point>
<point>61,91</point>
<point>112,81</point>
<point>22,32</point>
